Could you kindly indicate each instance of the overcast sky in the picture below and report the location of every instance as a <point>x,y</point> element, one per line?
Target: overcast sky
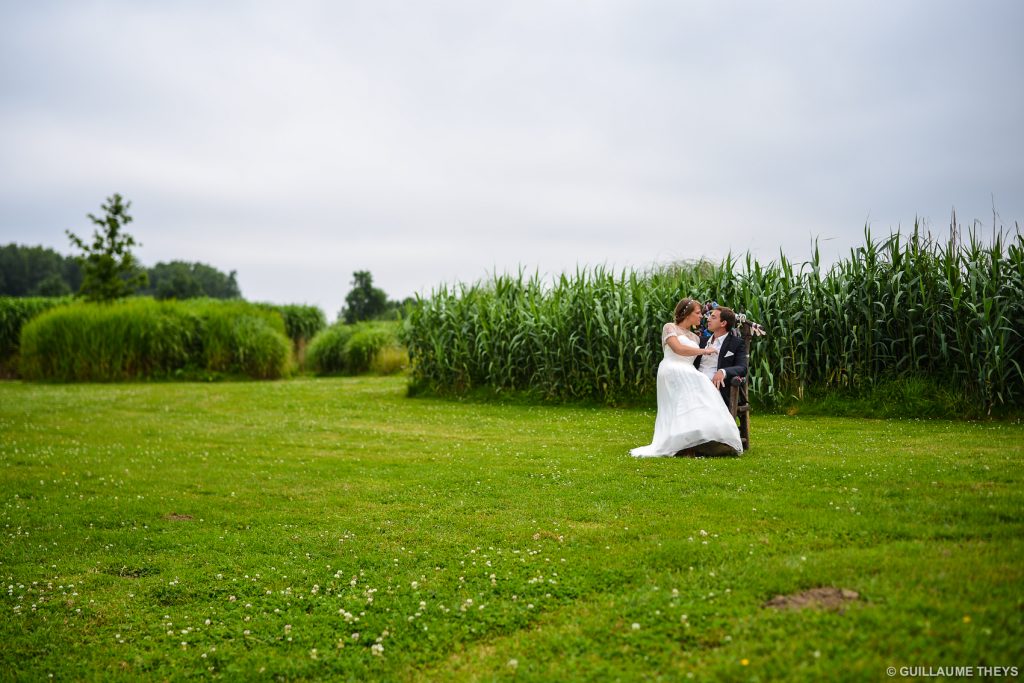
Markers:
<point>431,142</point>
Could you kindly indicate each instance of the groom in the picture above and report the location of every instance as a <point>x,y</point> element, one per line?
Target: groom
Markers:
<point>730,357</point>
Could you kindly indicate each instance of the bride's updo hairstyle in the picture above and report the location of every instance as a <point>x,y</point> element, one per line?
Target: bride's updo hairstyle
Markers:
<point>684,308</point>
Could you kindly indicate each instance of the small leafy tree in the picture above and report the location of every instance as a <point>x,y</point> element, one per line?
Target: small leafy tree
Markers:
<point>109,269</point>
<point>364,301</point>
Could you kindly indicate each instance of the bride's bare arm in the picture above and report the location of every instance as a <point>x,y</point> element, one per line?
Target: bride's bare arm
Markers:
<point>683,350</point>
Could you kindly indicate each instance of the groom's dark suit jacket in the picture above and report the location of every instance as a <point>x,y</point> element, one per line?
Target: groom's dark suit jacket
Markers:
<point>732,357</point>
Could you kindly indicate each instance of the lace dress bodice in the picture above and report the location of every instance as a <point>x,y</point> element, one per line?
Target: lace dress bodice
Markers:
<point>685,337</point>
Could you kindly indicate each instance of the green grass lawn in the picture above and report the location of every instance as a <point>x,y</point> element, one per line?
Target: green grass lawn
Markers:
<point>335,529</point>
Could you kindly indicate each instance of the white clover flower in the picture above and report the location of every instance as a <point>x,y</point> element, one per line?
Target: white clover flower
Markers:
<point>636,626</point>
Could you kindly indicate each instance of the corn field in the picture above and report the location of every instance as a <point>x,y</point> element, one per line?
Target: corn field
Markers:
<point>950,311</point>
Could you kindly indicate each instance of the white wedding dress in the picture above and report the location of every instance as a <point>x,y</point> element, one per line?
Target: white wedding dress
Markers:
<point>690,409</point>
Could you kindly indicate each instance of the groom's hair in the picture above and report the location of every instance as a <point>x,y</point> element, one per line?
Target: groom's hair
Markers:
<point>728,317</point>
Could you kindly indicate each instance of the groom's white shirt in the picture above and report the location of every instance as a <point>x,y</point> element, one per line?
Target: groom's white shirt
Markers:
<point>709,363</point>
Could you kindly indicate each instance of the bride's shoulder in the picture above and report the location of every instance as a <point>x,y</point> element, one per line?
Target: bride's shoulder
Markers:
<point>673,330</point>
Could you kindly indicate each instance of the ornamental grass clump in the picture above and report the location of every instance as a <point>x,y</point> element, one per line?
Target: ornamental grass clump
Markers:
<point>106,342</point>
<point>326,354</point>
<point>390,360</point>
<point>364,345</point>
<point>14,313</point>
<point>343,349</point>
<point>242,338</point>
<point>301,322</point>
<point>140,338</point>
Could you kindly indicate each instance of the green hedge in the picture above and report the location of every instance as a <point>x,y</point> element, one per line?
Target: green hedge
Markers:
<point>350,349</point>
<point>141,338</point>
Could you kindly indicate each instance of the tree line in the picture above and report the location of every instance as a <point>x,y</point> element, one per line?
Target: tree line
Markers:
<point>40,271</point>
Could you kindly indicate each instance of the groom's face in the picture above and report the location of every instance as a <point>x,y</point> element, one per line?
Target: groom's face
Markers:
<point>714,321</point>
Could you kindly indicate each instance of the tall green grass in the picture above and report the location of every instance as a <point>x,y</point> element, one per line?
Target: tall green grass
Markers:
<point>14,313</point>
<point>141,338</point>
<point>301,322</point>
<point>352,349</point>
<point>949,311</point>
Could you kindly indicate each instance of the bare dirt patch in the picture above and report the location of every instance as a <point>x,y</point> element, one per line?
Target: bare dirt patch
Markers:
<point>826,597</point>
<point>175,517</point>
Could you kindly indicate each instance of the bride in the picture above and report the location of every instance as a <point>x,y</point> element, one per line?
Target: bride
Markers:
<point>690,409</point>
